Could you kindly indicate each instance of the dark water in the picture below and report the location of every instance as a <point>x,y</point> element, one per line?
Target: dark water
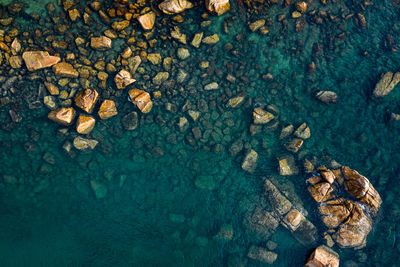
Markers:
<point>166,195</point>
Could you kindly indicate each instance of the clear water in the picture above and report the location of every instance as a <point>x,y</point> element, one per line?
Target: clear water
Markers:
<point>51,216</point>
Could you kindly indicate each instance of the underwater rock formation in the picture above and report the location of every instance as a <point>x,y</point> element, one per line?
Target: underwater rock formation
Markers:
<point>323,256</point>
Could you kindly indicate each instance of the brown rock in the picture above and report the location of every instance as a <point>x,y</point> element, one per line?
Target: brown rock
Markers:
<point>74,14</point>
<point>321,191</point>
<point>141,99</point>
<point>386,84</point>
<point>107,109</point>
<point>218,6</point>
<point>101,43</point>
<point>328,176</point>
<point>334,212</point>
<point>174,6</point>
<point>147,20</point>
<point>35,60</point>
<point>323,256</point>
<point>53,90</point>
<point>86,99</point>
<point>293,219</point>
<point>123,79</point>
<point>15,62</point>
<point>120,25</point>
<point>261,116</point>
<point>301,7</point>
<point>64,116</point>
<point>85,124</point>
<point>65,69</point>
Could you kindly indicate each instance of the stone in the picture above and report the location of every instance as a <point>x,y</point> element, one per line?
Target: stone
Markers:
<point>205,182</point>
<point>194,114</point>
<point>323,256</point>
<point>262,255</point>
<point>326,96</point>
<point>287,166</point>
<point>278,202</point>
<point>293,219</point>
<point>183,124</point>
<point>101,43</point>
<point>218,6</point>
<point>123,78</point>
<point>261,116</point>
<point>16,45</point>
<point>303,131</point>
<point>99,189</point>
<point>225,232</point>
<point>261,223</point>
<point>294,145</point>
<point>15,117</point>
<point>321,191</point>
<point>36,60</point>
<point>212,39</point>
<point>134,63</point>
<point>176,34</point>
<point>63,116</point>
<point>386,84</point>
<point>301,7</point>
<point>74,14</point>
<point>236,101</point>
<point>15,62</point>
<point>65,69</point>
<point>147,20</point>
<point>257,25</point>
<point>160,78</point>
<point>155,59</point>
<point>130,121</point>
<point>174,6</point>
<point>86,99</point>
<point>107,109</point>
<point>250,161</point>
<point>197,39</point>
<point>183,53</point>
<point>211,86</point>
<point>141,99</point>
<point>85,124</point>
<point>120,25</point>
<point>296,14</point>
<point>53,90</point>
<point>286,131</point>
<point>49,101</point>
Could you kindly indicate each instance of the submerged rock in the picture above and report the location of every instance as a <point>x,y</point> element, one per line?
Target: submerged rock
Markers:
<point>123,79</point>
<point>81,143</point>
<point>107,109</point>
<point>35,60</point>
<point>303,131</point>
<point>262,255</point>
<point>211,86</point>
<point>160,78</point>
<point>205,182</point>
<point>197,39</point>
<point>261,116</point>
<point>101,43</point>
<point>250,161</point>
<point>99,189</point>
<point>141,99</point>
<point>326,96</point>
<point>257,25</point>
<point>85,124</point>
<point>64,116</point>
<point>287,166</point>
<point>65,69</point>
<point>86,99</point>
<point>218,6</point>
<point>130,121</point>
<point>183,53</point>
<point>147,20</point>
<point>386,84</point>
<point>237,100</point>
<point>323,256</point>
<point>174,6</point>
<point>212,39</point>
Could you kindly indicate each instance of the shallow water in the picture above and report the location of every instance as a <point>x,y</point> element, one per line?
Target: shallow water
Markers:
<point>167,194</point>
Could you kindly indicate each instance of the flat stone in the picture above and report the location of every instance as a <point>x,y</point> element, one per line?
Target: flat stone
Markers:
<point>211,86</point>
<point>262,255</point>
<point>212,39</point>
<point>326,96</point>
<point>101,43</point>
<point>257,25</point>
<point>107,109</point>
<point>63,116</point>
<point>197,39</point>
<point>236,101</point>
<point>65,69</point>
<point>35,60</point>
<point>85,124</point>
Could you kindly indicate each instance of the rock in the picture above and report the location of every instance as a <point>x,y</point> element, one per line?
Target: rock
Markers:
<point>293,219</point>
<point>386,84</point>
<point>176,34</point>
<point>261,116</point>
<point>16,46</point>
<point>160,78</point>
<point>212,39</point>
<point>183,53</point>
<point>134,63</point>
<point>303,131</point>
<point>85,124</point>
<point>323,256</point>
<point>218,6</point>
<point>296,14</point>
<point>64,116</point>
<point>181,76</point>
<point>65,69</point>
<point>211,86</point>
<point>86,99</point>
<point>287,166</point>
<point>301,7</point>
<point>294,144</point>
<point>194,114</point>
<point>123,79</point>
<point>250,161</point>
<point>278,202</point>
<point>225,232</point>
<point>15,117</point>
<point>261,223</point>
<point>326,96</point>
<point>321,191</point>
<point>81,143</point>
<point>107,109</point>
<point>36,60</point>
<point>237,100</point>
<point>53,90</point>
<point>147,20</point>
<point>174,6</point>
<point>74,14</point>
<point>130,121</point>
<point>101,43</point>
<point>49,101</point>
<point>183,124</point>
<point>15,62</point>
<point>120,25</point>
<point>99,189</point>
<point>257,25</point>
<point>395,117</point>
<point>288,130</point>
<point>262,255</point>
<point>155,59</point>
<point>141,99</point>
<point>205,182</point>
<point>197,39</point>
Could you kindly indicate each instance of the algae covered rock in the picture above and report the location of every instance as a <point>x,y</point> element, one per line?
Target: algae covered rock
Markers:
<point>250,161</point>
<point>81,143</point>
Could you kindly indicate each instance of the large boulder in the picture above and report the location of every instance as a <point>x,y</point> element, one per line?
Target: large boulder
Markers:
<point>141,99</point>
<point>218,6</point>
<point>35,60</point>
<point>323,256</point>
<point>147,20</point>
<point>86,99</point>
<point>123,79</point>
<point>63,116</point>
<point>85,124</point>
<point>174,6</point>
<point>386,84</point>
<point>107,109</point>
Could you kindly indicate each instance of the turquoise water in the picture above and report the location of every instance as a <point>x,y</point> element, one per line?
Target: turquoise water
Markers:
<point>165,195</point>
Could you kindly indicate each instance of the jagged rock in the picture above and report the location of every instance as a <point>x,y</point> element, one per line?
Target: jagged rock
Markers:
<point>301,7</point>
<point>65,69</point>
<point>250,161</point>
<point>154,58</point>
<point>64,116</point>
<point>286,131</point>
<point>279,203</point>
<point>174,6</point>
<point>261,254</point>
<point>176,34</point>
<point>183,53</point>
<point>287,166</point>
<point>293,219</point>
<point>386,84</point>
<point>303,131</point>
<point>261,116</point>
<point>218,6</point>
<point>134,63</point>
<point>107,109</point>
<point>183,124</point>
<point>85,124</point>
<point>120,25</point>
<point>123,79</point>
<point>212,39</point>
<point>323,256</point>
<point>15,62</point>
<point>326,96</point>
<point>197,39</point>
<point>101,43</point>
<point>50,102</point>
<point>294,144</point>
<point>141,99</point>
<point>53,90</point>
<point>81,143</point>
<point>35,60</point>
<point>257,25</point>
<point>147,20</point>
<point>86,99</point>
<point>130,121</point>
<point>160,78</point>
<point>237,100</point>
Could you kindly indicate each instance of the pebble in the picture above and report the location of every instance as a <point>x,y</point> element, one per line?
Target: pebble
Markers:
<point>211,86</point>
